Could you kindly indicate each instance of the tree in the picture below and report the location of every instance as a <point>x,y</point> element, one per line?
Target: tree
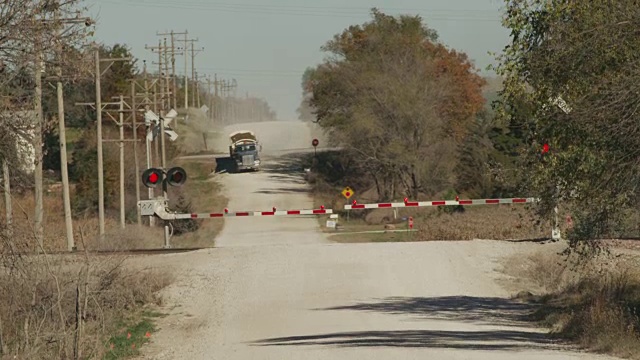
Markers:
<point>398,100</point>
<point>116,79</point>
<point>305,111</point>
<point>585,54</point>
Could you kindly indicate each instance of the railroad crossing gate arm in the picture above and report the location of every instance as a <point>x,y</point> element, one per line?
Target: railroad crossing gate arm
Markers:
<point>158,207</point>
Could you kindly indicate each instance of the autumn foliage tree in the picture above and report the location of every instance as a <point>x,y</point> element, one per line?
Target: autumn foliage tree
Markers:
<point>398,101</point>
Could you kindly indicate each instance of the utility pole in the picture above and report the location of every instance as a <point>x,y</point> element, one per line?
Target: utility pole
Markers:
<point>98,106</point>
<point>121,146</point>
<point>210,97</point>
<point>38,176</point>
<point>217,100</point>
<point>134,124</point>
<point>173,72</point>
<point>7,196</point>
<point>167,87</point>
<point>66,198</point>
<point>197,90</point>
<point>194,51</point>
<point>148,142</point>
<point>121,140</point>
<point>193,73</point>
<point>186,77</point>
<point>173,65</point>
<point>63,167</point>
<point>99,143</point>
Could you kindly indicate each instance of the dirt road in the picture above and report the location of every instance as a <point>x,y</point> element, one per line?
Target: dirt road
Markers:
<point>275,288</point>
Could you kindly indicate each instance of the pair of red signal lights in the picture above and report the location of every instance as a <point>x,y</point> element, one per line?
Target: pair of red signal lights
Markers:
<point>175,176</point>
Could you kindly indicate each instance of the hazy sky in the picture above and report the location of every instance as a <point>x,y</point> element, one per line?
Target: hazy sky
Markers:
<point>267,44</point>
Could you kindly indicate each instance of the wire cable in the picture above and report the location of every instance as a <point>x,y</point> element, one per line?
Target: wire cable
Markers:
<point>432,15</point>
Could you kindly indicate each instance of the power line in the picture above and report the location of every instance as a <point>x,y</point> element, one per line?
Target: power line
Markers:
<point>452,16</point>
<point>308,7</point>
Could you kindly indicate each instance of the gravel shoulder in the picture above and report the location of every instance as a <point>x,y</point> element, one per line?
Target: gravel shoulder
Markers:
<point>276,288</point>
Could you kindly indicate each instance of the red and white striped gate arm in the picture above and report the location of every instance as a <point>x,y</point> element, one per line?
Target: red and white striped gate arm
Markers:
<point>407,203</point>
<point>274,212</point>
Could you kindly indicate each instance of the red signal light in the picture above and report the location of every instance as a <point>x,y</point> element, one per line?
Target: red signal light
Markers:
<point>545,148</point>
<point>151,177</point>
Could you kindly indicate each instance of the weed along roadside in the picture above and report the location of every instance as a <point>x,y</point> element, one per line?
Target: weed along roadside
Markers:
<point>132,335</point>
<point>594,303</point>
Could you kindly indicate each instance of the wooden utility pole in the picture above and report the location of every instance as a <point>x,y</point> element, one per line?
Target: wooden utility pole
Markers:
<point>173,66</point>
<point>98,75</point>
<point>194,52</point>
<point>119,121</point>
<point>37,144</point>
<point>6,175</point>
<point>193,74</point>
<point>134,124</point>
<point>210,98</point>
<point>148,142</point>
<point>197,91</point>
<point>148,128</point>
<point>217,100</point>
<point>121,146</point>
<point>173,72</point>
<point>186,77</point>
<point>66,197</point>
<point>184,50</point>
<point>98,106</point>
<point>167,87</point>
<point>64,168</point>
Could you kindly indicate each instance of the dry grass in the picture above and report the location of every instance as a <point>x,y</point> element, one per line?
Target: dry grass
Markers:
<point>68,306</point>
<point>503,222</point>
<point>593,303</point>
<point>495,222</point>
<point>85,305</point>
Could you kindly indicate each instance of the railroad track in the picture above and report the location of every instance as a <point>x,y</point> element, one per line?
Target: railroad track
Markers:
<point>122,252</point>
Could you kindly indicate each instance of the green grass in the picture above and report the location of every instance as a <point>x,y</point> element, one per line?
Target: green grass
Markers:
<point>127,343</point>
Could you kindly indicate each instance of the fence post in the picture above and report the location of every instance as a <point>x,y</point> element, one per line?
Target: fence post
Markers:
<point>555,232</point>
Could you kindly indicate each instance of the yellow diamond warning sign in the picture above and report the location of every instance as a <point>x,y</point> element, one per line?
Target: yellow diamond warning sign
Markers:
<point>347,192</point>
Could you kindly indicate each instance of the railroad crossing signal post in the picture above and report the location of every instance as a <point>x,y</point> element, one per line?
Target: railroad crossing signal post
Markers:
<point>175,176</point>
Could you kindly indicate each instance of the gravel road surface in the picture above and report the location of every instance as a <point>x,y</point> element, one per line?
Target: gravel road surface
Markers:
<point>276,288</point>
